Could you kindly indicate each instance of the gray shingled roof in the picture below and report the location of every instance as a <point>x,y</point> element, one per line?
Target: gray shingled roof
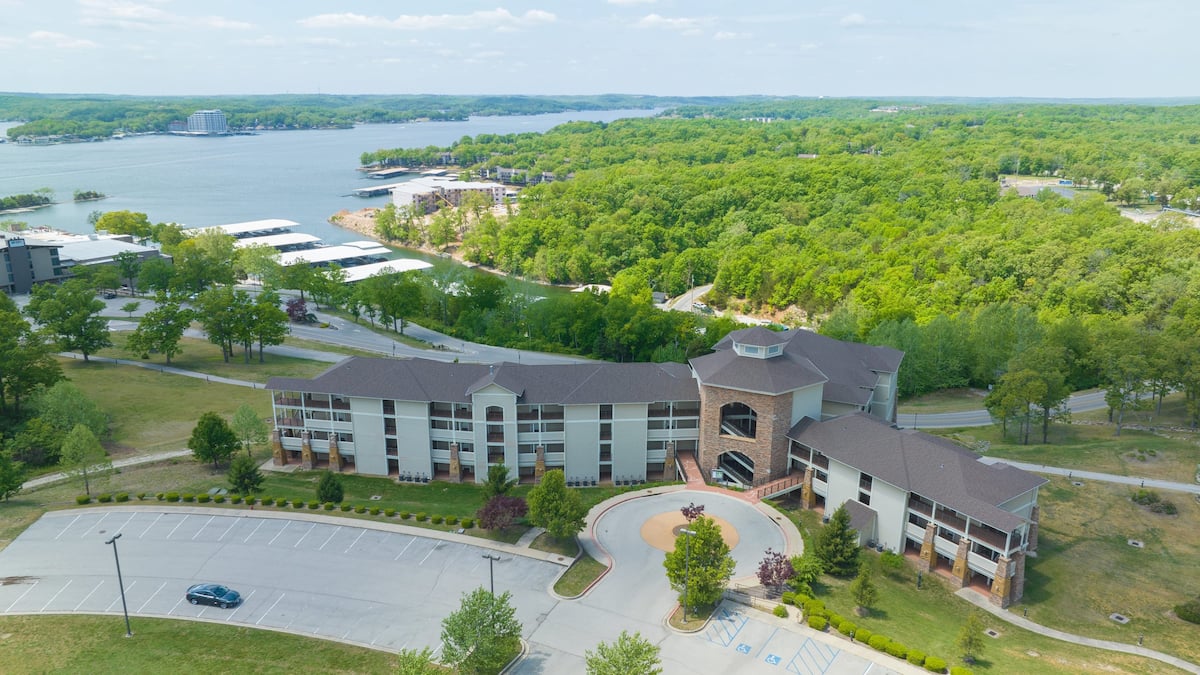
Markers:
<point>761,337</point>
<point>849,368</point>
<point>776,375</point>
<point>862,518</point>
<point>425,380</point>
<point>918,462</point>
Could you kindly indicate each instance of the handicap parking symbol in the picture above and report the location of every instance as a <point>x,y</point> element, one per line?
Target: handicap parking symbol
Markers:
<point>743,648</point>
<point>773,659</point>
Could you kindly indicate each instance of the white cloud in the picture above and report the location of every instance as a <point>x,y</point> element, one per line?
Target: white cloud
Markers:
<point>45,38</point>
<point>9,42</point>
<point>685,25</point>
<point>135,16</point>
<point>854,19</point>
<point>727,35</point>
<point>498,19</point>
<point>263,41</point>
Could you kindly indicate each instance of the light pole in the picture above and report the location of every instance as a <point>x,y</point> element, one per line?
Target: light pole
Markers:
<point>687,563</point>
<point>121,583</point>
<point>491,572</point>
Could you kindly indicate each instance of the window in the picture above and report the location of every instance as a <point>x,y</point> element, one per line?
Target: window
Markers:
<point>864,498</point>
<point>738,419</point>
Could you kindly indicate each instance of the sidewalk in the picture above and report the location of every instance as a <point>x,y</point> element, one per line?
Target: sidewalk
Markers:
<point>1077,474</point>
<point>128,461</point>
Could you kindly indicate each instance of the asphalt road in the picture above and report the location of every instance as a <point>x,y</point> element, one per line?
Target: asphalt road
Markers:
<point>1092,400</point>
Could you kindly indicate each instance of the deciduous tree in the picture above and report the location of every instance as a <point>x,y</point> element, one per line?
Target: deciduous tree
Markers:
<point>71,313</point>
<point>501,511</point>
<point>83,457</point>
<point>970,637</point>
<point>557,508</point>
<point>212,439</point>
<point>250,428</point>
<point>775,569</point>
<point>627,655</point>
<point>863,590</point>
<point>700,563</point>
<point>483,635</point>
<point>12,474</point>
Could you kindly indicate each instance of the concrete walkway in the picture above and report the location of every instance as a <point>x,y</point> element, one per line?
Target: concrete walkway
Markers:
<point>128,461</point>
<point>975,598</point>
<point>1076,474</point>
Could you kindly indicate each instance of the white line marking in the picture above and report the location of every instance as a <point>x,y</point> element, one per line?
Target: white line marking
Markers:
<point>172,532</point>
<point>176,605</point>
<point>239,607</point>
<point>151,525</point>
<point>55,596</point>
<point>118,598</point>
<point>22,596</point>
<point>64,530</point>
<point>139,609</point>
<point>310,529</point>
<point>122,527</point>
<point>234,522</point>
<point>279,532</point>
<point>360,534</point>
<point>410,543</point>
<point>89,530</point>
<point>85,598</point>
<point>260,524</point>
<point>210,519</point>
<point>335,531</point>
<point>427,556</point>
<point>269,609</point>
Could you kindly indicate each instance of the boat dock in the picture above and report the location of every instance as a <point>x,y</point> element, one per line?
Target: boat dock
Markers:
<point>389,173</point>
<point>374,190</point>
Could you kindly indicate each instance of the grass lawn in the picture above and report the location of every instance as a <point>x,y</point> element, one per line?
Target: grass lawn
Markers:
<point>96,644</point>
<point>204,357</point>
<point>579,576</point>
<point>1164,455</point>
<point>550,544</point>
<point>944,401</point>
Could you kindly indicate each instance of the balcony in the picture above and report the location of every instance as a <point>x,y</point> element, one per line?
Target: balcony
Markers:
<point>495,416</point>
<point>990,537</point>
<point>315,403</point>
<point>495,437</point>
<point>658,412</point>
<point>341,404</point>
<point>605,434</point>
<point>605,413</point>
<point>289,422</point>
<point>286,401</point>
<point>948,517</point>
<point>821,462</point>
<point>920,507</point>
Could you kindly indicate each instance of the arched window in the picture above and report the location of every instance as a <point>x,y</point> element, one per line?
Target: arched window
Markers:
<point>738,419</point>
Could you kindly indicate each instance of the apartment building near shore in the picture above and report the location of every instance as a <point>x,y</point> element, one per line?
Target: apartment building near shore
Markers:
<point>770,412</point>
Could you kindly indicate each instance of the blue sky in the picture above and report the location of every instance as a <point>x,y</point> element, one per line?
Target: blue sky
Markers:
<point>1038,48</point>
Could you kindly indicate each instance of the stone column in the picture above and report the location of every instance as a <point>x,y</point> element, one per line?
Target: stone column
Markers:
<point>961,572</point>
<point>455,464</point>
<point>1032,539</point>
<point>1001,584</point>
<point>539,463</point>
<point>928,557</point>
<point>306,453</point>
<point>808,498</point>
<point>669,463</point>
<point>278,455</point>
<point>335,455</point>
<point>1016,590</point>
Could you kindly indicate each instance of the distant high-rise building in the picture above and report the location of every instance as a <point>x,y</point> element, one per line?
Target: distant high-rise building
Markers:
<point>207,122</point>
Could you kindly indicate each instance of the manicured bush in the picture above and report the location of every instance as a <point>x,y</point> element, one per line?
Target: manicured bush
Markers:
<point>436,520</point>
<point>1189,611</point>
<point>265,501</point>
<point>374,510</point>
<point>935,664</point>
<point>104,498</point>
<point>347,507</point>
<point>389,512</point>
<point>237,499</point>
<point>467,523</point>
<point>847,628</point>
<point>314,505</point>
<point>863,634</point>
<point>220,499</point>
<point>780,611</point>
<point>960,670</point>
<point>835,619</point>
<point>814,607</point>
<point>422,516</point>
<point>788,598</point>
<point>879,642</point>
<point>451,520</point>
<point>328,506</point>
<point>172,496</point>
<point>281,501</point>
<point>121,496</point>
<point>897,650</point>
<point>916,657</point>
<point>800,599</point>
<point>83,499</point>
<point>203,498</point>
<point>160,496</point>
<point>141,496</point>
<point>360,509</point>
<point>185,497</point>
<point>817,622</point>
<point>405,515</point>
<point>299,503</point>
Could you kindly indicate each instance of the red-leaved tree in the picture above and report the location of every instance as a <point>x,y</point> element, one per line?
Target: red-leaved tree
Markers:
<point>692,511</point>
<point>775,569</point>
<point>501,511</point>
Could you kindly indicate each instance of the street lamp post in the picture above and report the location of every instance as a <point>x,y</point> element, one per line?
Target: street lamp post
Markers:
<point>491,572</point>
<point>121,583</point>
<point>687,563</point>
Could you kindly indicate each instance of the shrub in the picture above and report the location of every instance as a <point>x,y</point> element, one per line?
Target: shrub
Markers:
<point>374,510</point>
<point>847,628</point>
<point>160,496</point>
<point>451,520</point>
<point>422,516</point>
<point>104,498</point>
<point>1166,507</point>
<point>814,607</point>
<point>789,598</point>
<point>172,496</point>
<point>897,650</point>
<point>203,498</point>
<point>1189,611</point>
<point>121,496</point>
<point>879,642</point>
<point>299,503</point>
<point>916,657</point>
<point>265,501</point>
<point>835,619</point>
<point>800,599</point>
<point>328,506</point>
<point>360,509</point>
<point>436,520</point>
<point>314,505</point>
<point>347,507</point>
<point>1145,497</point>
<point>817,622</point>
<point>83,499</point>
<point>780,611</point>
<point>467,523</point>
<point>237,499</point>
<point>960,670</point>
<point>185,497</point>
<point>405,515</point>
<point>935,664</point>
<point>863,634</point>
<point>251,499</point>
<point>141,496</point>
<point>220,499</point>
<point>281,501</point>
<point>389,512</point>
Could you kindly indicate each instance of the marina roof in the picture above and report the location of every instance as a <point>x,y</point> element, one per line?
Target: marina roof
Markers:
<point>326,254</point>
<point>268,225</point>
<point>360,272</point>
<point>277,240</point>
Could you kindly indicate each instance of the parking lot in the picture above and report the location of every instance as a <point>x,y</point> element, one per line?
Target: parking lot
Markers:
<point>377,588</point>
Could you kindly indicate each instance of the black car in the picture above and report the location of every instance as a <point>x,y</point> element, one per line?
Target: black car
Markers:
<point>109,295</point>
<point>213,594</point>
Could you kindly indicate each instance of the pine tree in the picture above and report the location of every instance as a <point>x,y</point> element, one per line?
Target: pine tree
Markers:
<point>837,545</point>
<point>329,488</point>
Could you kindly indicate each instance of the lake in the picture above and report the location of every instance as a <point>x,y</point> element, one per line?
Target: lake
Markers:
<point>305,176</point>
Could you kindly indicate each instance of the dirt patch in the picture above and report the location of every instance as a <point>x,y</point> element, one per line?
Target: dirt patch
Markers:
<point>661,531</point>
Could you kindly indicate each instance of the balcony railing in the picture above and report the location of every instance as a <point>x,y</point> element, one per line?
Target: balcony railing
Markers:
<point>495,437</point>
<point>315,403</point>
<point>289,422</point>
<point>996,540</point>
<point>341,405</point>
<point>946,517</point>
<point>495,416</point>
<point>284,400</point>
<point>920,507</point>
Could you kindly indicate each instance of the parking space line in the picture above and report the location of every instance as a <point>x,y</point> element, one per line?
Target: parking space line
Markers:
<point>14,603</point>
<point>122,527</point>
<point>268,612</point>
<point>172,532</point>
<point>310,529</point>
<point>118,598</point>
<point>285,526</point>
<point>64,530</point>
<point>360,534</point>
<point>89,530</point>
<point>247,539</point>
<point>164,585</point>
<point>331,535</point>
<point>233,523</point>
<point>410,543</point>
<point>210,519</point>
<point>85,598</point>
<point>426,557</point>
<point>55,596</point>
<point>240,606</point>
<point>176,606</point>
<point>767,641</point>
<point>150,525</point>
